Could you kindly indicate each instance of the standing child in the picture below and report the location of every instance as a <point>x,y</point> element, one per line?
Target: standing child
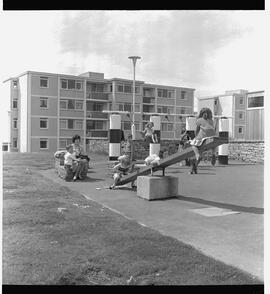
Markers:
<point>149,133</point>
<point>72,163</point>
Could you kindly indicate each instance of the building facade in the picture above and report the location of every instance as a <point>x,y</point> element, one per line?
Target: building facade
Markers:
<point>47,109</point>
<point>244,109</point>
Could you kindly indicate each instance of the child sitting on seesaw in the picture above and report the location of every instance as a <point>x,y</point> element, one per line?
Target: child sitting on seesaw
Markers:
<point>122,168</point>
<point>149,133</point>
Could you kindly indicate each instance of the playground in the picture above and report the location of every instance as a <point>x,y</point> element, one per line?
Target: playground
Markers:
<point>79,232</point>
<point>217,212</point>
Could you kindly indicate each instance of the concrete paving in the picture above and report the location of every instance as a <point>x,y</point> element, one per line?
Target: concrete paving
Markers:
<point>235,239</point>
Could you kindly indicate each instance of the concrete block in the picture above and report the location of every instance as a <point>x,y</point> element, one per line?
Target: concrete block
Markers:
<point>157,187</point>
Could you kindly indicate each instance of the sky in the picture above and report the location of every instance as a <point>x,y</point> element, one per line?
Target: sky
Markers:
<point>210,51</point>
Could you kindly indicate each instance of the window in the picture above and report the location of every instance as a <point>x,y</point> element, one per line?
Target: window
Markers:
<point>15,84</point>
<point>14,143</point>
<point>241,116</point>
<point>43,123</point>
<point>127,107</point>
<point>137,89</point>
<point>120,88</point>
<point>255,102</point>
<point>79,124</point>
<point>15,123</point>
<point>79,86</point>
<point>127,89</point>
<point>63,124</point>
<point>166,127</point>
<point>70,123</point>
<point>64,84</point>
<point>137,108</point>
<point>43,102</point>
<point>240,130</point>
<point>241,101</point>
<point>43,143</point>
<point>71,84</point>
<point>159,109</point>
<point>63,104</point>
<point>71,104</point>
<point>14,103</point>
<point>62,144</point>
<point>183,94</point>
<point>79,104</point>
<point>43,82</point>
<point>170,94</point>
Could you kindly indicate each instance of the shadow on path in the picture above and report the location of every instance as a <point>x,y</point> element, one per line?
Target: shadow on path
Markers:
<point>254,210</point>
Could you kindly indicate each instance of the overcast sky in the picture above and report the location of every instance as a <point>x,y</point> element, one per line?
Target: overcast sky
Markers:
<point>211,51</point>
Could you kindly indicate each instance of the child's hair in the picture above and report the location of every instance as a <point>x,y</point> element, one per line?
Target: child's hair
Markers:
<point>207,111</point>
<point>123,159</point>
<point>150,124</point>
<point>68,147</point>
<point>75,137</point>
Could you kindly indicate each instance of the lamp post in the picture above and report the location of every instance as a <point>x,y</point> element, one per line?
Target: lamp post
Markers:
<point>133,131</point>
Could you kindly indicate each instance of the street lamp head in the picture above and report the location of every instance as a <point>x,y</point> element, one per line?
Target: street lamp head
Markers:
<point>134,59</point>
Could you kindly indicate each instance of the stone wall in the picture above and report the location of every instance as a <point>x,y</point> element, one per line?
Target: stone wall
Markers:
<point>250,151</point>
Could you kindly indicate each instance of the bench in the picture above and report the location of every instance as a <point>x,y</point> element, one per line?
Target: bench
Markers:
<point>65,173</point>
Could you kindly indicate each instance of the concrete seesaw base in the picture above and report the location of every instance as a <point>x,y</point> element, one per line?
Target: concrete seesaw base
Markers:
<point>157,187</point>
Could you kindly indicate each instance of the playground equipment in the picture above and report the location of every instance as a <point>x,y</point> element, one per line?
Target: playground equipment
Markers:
<point>209,143</point>
<point>223,150</point>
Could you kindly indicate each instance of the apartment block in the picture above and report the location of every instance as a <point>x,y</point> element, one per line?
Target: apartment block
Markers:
<point>244,109</point>
<point>47,109</point>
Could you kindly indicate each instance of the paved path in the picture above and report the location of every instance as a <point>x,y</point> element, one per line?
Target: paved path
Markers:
<point>236,239</point>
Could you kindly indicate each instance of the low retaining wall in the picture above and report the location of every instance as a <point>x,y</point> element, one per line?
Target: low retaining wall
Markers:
<point>250,151</point>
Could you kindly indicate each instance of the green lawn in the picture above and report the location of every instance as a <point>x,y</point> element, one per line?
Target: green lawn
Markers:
<point>52,235</point>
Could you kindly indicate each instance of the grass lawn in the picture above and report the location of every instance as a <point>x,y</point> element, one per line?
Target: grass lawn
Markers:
<point>54,236</point>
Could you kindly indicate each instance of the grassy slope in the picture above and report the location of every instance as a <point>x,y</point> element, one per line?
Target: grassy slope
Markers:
<point>86,243</point>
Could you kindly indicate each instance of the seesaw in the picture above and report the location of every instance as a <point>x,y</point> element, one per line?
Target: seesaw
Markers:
<point>209,143</point>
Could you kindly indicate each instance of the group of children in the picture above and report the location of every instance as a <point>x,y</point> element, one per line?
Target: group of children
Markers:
<point>75,160</point>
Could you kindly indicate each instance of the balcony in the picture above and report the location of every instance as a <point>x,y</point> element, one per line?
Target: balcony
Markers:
<point>97,96</point>
<point>97,133</point>
<point>150,100</point>
<point>96,114</point>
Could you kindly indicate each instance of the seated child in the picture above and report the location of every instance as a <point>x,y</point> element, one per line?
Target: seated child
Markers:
<point>153,160</point>
<point>205,128</point>
<point>122,168</point>
<point>149,133</point>
<point>71,162</point>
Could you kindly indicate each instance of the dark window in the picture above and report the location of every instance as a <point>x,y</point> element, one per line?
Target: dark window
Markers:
<point>70,124</point>
<point>71,104</point>
<point>120,88</point>
<point>15,143</point>
<point>44,82</point>
<point>127,88</point>
<point>43,144</point>
<point>255,101</point>
<point>43,123</point>
<point>71,84</point>
<point>127,107</point>
<point>15,104</point>
<point>43,102</point>
<point>15,84</point>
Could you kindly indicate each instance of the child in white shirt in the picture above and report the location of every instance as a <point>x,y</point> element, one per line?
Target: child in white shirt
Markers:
<point>71,162</point>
